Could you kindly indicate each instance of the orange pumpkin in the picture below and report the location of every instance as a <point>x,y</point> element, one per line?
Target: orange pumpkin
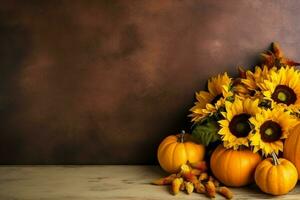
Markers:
<point>234,167</point>
<point>176,150</point>
<point>291,148</point>
<point>276,176</point>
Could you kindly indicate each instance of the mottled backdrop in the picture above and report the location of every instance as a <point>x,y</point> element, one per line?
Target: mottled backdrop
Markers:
<point>102,82</point>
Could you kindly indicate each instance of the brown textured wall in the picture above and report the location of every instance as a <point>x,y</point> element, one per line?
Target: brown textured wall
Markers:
<point>105,81</point>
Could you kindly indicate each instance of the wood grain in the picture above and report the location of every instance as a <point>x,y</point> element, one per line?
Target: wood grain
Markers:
<point>99,182</point>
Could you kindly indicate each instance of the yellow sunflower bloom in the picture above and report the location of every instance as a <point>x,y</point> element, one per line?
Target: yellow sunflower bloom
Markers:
<point>198,110</point>
<point>271,126</point>
<point>241,90</point>
<point>216,84</point>
<point>283,88</point>
<point>209,102</point>
<point>235,128</point>
<point>254,79</point>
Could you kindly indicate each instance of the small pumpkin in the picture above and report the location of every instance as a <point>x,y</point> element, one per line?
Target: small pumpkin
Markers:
<point>176,150</point>
<point>291,148</point>
<point>276,176</point>
<point>234,168</point>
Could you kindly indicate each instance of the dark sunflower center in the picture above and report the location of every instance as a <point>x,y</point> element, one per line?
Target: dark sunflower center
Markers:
<point>239,126</point>
<point>270,131</point>
<point>216,99</point>
<point>252,93</point>
<point>284,94</point>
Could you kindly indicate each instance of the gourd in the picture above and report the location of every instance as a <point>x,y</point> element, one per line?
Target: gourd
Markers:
<point>276,176</point>
<point>234,168</point>
<point>176,150</point>
<point>291,148</point>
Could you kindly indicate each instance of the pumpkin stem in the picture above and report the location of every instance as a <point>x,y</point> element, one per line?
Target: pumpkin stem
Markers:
<point>182,136</point>
<point>275,159</point>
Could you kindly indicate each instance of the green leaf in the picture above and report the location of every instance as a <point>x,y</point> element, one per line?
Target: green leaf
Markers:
<point>206,131</point>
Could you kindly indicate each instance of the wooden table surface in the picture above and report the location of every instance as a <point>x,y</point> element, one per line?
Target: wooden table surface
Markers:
<point>99,182</point>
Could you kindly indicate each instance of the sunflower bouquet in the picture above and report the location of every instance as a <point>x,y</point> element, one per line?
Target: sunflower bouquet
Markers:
<point>241,120</point>
<point>257,109</point>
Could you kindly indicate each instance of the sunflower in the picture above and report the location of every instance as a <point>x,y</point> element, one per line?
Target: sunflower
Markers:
<point>283,88</point>
<point>209,102</point>
<point>271,126</point>
<point>253,79</point>
<point>197,110</point>
<point>239,89</point>
<point>235,128</point>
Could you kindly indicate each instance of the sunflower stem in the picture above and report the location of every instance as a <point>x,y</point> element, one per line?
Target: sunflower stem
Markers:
<point>275,159</point>
<point>182,136</point>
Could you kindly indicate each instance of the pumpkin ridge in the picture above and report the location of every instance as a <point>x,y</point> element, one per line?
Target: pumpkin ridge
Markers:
<point>292,149</point>
<point>266,179</point>
<point>293,144</point>
<point>281,173</point>
<point>220,156</point>
<point>275,170</point>
<point>219,152</point>
<point>215,156</point>
<point>215,159</point>
<point>176,150</point>
<point>240,162</point>
<point>191,150</point>
<point>172,154</point>
<point>220,159</point>
<point>254,161</point>
<point>170,160</point>
<point>262,168</point>
<point>296,160</point>
<point>265,173</point>
<point>227,160</point>
<point>163,146</point>
<point>186,152</point>
<point>288,164</point>
<point>170,139</point>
